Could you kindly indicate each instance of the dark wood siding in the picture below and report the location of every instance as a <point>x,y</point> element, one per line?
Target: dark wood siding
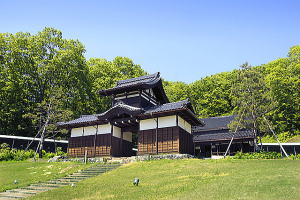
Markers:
<point>105,146</point>
<point>78,145</point>
<point>186,142</point>
<point>168,140</point>
<point>121,148</point>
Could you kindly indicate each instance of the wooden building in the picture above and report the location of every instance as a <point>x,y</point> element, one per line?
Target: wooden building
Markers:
<point>140,108</point>
<point>213,138</point>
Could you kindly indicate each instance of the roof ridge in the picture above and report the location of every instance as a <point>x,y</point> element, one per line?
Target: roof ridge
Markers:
<point>140,78</point>
<point>219,117</point>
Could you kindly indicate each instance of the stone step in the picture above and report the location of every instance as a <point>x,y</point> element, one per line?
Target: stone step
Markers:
<point>23,191</point>
<point>46,185</point>
<point>14,195</point>
<point>75,178</point>
<point>39,188</point>
<point>68,180</point>
<point>81,175</point>
<point>91,173</point>
<point>49,185</point>
<point>63,183</point>
<point>98,170</point>
<point>8,198</point>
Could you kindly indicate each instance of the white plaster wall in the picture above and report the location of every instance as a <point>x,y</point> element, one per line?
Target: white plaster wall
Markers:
<point>116,131</point>
<point>188,127</point>
<point>77,132</point>
<point>147,124</point>
<point>127,136</point>
<point>181,122</point>
<point>104,129</point>
<point>167,121</point>
<point>184,124</point>
<point>90,130</point>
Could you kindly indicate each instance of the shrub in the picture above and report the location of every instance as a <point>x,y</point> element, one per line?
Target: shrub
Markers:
<point>6,153</point>
<point>257,155</point>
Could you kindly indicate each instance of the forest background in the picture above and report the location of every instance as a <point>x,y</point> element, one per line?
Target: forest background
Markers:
<point>46,78</point>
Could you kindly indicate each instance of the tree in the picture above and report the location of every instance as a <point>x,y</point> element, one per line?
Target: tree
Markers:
<point>48,113</point>
<point>211,95</point>
<point>251,99</point>
<point>176,91</point>
<point>104,74</point>
<point>31,66</point>
<point>284,80</point>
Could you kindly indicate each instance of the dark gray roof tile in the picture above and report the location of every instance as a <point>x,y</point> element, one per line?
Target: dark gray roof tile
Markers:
<point>225,135</point>
<point>168,107</point>
<point>138,80</point>
<point>214,123</point>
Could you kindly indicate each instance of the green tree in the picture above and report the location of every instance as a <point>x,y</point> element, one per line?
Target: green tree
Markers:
<point>211,95</point>
<point>104,74</point>
<point>176,91</point>
<point>251,98</point>
<point>284,80</point>
<point>31,66</point>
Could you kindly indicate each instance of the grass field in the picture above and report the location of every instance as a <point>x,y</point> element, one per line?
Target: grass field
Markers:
<point>27,172</point>
<point>191,179</point>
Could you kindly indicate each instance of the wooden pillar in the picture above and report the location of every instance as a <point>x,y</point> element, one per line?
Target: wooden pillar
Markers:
<point>95,140</point>
<point>156,135</point>
<point>121,153</point>
<point>111,136</point>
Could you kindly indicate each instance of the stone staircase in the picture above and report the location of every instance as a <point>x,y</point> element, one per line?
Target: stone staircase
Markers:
<point>60,182</point>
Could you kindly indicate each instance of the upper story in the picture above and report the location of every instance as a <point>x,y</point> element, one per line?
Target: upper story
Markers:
<point>138,104</point>
<point>141,92</point>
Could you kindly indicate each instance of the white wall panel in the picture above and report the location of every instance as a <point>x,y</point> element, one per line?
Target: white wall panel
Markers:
<point>147,124</point>
<point>127,136</point>
<point>90,130</point>
<point>188,127</point>
<point>167,121</point>
<point>77,132</point>
<point>184,124</point>
<point>181,122</point>
<point>104,129</point>
<point>116,131</point>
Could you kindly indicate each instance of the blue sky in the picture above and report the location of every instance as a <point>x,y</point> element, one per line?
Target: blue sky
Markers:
<point>184,40</point>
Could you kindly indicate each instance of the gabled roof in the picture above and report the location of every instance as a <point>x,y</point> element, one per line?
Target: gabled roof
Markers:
<point>223,135</point>
<point>185,104</point>
<point>148,79</point>
<point>119,109</point>
<point>140,83</point>
<point>82,120</point>
<point>214,123</point>
<point>182,107</point>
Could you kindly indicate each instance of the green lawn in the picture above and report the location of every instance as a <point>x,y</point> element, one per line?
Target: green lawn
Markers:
<point>27,172</point>
<point>191,179</point>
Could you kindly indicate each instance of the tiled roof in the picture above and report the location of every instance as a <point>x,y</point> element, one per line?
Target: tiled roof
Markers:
<point>214,123</point>
<point>168,107</point>
<point>120,108</point>
<point>93,118</point>
<point>225,135</point>
<point>138,80</point>
<point>80,120</point>
<point>152,81</point>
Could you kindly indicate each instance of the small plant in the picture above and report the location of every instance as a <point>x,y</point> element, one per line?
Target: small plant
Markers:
<point>257,155</point>
<point>6,153</point>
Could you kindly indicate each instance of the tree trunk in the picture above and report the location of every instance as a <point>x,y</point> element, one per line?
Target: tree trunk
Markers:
<point>43,137</point>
